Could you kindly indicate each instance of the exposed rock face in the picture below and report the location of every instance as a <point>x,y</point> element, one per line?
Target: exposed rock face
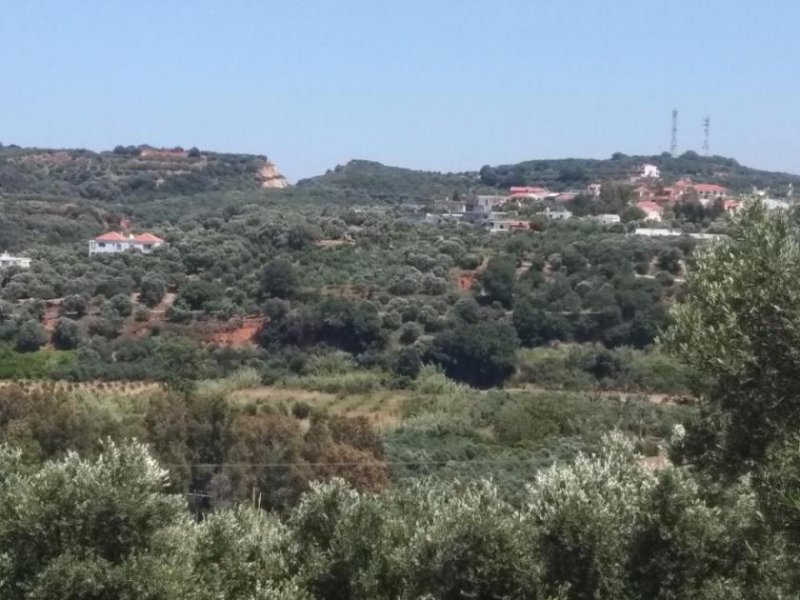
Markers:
<point>270,177</point>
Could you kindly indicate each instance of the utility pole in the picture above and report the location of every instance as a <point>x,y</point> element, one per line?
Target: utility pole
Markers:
<point>673,145</point>
<point>706,133</point>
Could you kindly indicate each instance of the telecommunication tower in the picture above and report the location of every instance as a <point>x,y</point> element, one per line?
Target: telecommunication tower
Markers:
<point>673,144</point>
<point>706,132</point>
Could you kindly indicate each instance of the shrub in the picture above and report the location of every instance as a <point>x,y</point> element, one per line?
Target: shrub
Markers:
<point>31,336</point>
<point>66,334</point>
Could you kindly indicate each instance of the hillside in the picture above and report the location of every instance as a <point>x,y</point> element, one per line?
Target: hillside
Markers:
<point>373,180</point>
<point>55,195</point>
<point>573,172</point>
<point>366,180</point>
<point>130,172</point>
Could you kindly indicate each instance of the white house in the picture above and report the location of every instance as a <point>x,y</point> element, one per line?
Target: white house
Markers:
<point>113,242</point>
<point>650,172</point>
<point>6,261</point>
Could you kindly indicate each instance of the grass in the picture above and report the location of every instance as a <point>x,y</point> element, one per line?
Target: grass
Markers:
<point>33,365</point>
<point>383,407</point>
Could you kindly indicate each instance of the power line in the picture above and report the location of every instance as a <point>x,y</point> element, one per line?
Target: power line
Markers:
<point>375,463</point>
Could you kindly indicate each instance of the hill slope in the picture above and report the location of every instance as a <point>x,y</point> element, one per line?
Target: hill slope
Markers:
<point>372,180</point>
<point>130,172</point>
<point>571,172</point>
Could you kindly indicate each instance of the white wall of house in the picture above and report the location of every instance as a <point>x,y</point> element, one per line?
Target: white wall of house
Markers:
<point>7,261</point>
<point>96,247</point>
<point>650,171</point>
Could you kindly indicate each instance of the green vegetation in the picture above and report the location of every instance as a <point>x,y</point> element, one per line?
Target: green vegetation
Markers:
<point>334,400</point>
<point>577,172</point>
<point>34,365</point>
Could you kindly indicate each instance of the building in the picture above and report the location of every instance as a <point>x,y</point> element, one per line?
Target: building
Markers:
<point>651,210</point>
<point>594,189</point>
<point>530,193</point>
<point>480,208</point>
<point>565,196</point>
<point>557,214</point>
<point>7,261</point>
<point>709,237</point>
<point>496,226</point>
<point>114,242</point>
<point>649,172</point>
<point>607,219</point>
<point>731,205</point>
<point>709,192</point>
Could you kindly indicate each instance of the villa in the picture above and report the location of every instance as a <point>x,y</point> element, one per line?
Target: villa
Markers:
<point>114,242</point>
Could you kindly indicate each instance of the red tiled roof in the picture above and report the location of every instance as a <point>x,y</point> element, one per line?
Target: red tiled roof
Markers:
<point>710,187</point>
<point>114,236</point>
<point>517,189</point>
<point>147,238</point>
<point>111,236</point>
<point>647,206</point>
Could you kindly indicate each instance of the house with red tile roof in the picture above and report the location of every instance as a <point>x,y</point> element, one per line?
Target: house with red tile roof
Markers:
<point>532,193</point>
<point>709,192</point>
<point>113,242</point>
<point>651,210</point>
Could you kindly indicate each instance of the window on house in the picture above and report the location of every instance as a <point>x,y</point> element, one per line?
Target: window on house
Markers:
<point>101,244</point>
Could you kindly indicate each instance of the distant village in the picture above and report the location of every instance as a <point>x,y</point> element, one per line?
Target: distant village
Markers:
<point>649,194</point>
<point>498,213</point>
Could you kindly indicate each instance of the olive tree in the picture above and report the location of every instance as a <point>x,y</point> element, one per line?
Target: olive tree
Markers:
<point>740,326</point>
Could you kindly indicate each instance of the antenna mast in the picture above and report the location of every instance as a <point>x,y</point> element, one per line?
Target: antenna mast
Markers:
<point>673,145</point>
<point>706,130</point>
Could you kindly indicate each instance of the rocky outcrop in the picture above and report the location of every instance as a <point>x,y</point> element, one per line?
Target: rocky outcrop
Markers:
<point>270,177</point>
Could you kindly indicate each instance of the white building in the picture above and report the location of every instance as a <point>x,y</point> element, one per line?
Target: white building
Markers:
<point>650,172</point>
<point>677,233</point>
<point>557,214</point>
<point>7,261</point>
<point>607,219</point>
<point>113,242</point>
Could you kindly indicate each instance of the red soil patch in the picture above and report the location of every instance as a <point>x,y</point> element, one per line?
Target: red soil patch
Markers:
<point>51,315</point>
<point>465,280</point>
<point>238,332</point>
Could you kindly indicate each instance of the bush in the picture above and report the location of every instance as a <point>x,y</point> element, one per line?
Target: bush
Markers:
<point>481,354</point>
<point>66,334</point>
<point>30,337</point>
<point>301,410</point>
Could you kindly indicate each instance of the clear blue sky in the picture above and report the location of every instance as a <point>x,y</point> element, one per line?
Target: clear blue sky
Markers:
<point>433,84</point>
